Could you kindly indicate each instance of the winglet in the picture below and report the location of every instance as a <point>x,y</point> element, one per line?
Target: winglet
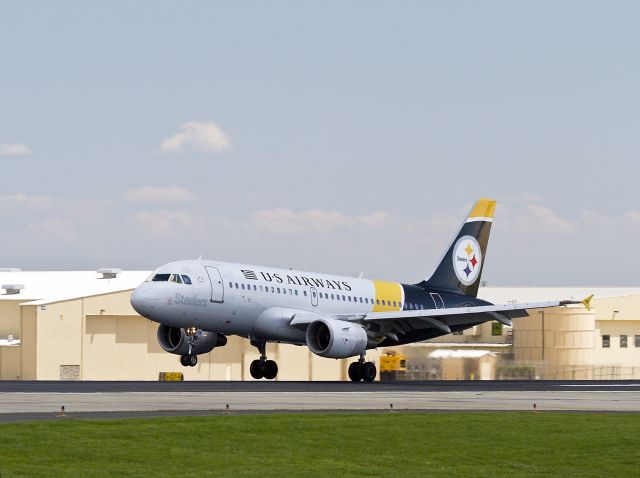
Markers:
<point>587,302</point>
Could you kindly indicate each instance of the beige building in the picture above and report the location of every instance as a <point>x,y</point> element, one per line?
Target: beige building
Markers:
<point>80,326</point>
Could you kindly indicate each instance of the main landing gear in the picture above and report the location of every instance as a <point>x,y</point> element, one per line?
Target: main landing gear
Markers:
<point>190,359</point>
<point>262,368</point>
<point>362,370</point>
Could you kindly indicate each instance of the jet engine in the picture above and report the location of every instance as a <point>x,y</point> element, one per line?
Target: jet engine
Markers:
<point>175,340</point>
<point>336,338</point>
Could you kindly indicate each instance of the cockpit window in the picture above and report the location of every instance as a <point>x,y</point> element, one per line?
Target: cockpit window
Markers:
<point>186,280</point>
<point>161,278</point>
<point>175,278</point>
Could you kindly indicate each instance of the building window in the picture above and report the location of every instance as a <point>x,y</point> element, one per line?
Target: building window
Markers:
<point>496,328</point>
<point>623,341</point>
<point>606,341</point>
<point>637,340</point>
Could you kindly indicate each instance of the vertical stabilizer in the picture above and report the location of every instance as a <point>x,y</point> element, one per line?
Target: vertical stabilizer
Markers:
<point>461,267</point>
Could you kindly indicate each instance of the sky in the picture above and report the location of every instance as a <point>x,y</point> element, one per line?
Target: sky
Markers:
<point>344,137</point>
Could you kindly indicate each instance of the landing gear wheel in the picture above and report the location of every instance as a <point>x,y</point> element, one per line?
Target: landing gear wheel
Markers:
<point>257,369</point>
<point>355,371</point>
<point>192,360</point>
<point>270,369</point>
<point>369,371</point>
<point>184,360</point>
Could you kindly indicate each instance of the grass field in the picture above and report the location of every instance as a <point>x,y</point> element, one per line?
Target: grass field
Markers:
<point>336,445</point>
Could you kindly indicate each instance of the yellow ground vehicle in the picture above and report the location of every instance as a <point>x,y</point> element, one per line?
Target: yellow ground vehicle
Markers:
<point>393,366</point>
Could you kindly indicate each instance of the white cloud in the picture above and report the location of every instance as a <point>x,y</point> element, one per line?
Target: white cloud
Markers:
<point>548,219</point>
<point>159,194</point>
<point>29,200</point>
<point>54,228</point>
<point>286,221</point>
<point>164,224</point>
<point>14,149</point>
<point>197,137</point>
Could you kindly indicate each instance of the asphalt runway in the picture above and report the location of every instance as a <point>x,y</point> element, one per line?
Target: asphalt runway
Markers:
<point>44,400</point>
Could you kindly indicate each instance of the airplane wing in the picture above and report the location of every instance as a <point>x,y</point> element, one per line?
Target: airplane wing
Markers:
<point>438,318</point>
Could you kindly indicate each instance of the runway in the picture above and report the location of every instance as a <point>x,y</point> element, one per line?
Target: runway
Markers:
<point>37,400</point>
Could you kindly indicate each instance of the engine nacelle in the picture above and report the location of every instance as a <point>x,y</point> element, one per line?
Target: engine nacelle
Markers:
<point>336,338</point>
<point>174,340</point>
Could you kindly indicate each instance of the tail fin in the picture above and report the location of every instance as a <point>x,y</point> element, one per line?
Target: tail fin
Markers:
<point>461,267</point>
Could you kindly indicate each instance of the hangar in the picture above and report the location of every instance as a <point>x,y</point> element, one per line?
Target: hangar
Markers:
<point>79,325</point>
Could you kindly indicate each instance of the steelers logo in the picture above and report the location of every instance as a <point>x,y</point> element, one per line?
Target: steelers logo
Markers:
<point>467,260</point>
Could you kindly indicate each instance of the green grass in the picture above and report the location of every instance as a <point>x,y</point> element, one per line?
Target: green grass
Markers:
<point>336,445</point>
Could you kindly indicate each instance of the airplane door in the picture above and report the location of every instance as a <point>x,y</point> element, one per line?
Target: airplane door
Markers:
<point>217,286</point>
<point>314,297</point>
<point>437,300</point>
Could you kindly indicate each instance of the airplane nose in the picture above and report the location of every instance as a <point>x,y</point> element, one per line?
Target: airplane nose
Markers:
<point>141,300</point>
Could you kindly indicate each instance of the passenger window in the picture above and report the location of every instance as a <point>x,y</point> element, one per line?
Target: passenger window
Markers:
<point>278,290</point>
<point>383,302</point>
<point>332,297</point>
<point>378,301</point>
<point>349,298</point>
<point>161,278</point>
<point>305,293</point>
<point>361,300</point>
<point>237,287</point>
<point>344,298</point>
<point>231,285</point>
<point>273,290</point>
<point>290,292</point>
<point>255,288</point>
<point>260,288</point>
<point>296,291</point>
<point>242,286</point>
<point>394,303</point>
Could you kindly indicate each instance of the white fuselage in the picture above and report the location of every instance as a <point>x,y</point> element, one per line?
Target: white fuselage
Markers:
<point>247,300</point>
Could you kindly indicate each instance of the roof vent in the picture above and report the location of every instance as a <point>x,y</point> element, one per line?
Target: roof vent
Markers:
<point>12,289</point>
<point>9,269</point>
<point>109,272</point>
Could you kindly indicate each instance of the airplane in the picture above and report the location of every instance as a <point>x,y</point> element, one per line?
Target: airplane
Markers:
<point>199,303</point>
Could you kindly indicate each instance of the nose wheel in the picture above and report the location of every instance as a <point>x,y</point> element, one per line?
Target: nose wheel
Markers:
<point>262,368</point>
<point>361,370</point>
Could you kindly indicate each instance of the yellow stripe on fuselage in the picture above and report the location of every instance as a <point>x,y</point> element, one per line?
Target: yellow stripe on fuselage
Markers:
<point>387,293</point>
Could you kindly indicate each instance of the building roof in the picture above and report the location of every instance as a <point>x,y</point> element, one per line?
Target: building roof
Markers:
<point>41,287</point>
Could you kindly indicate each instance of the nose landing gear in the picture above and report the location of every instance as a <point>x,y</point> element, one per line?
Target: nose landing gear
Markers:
<point>263,368</point>
<point>190,359</point>
<point>362,370</point>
